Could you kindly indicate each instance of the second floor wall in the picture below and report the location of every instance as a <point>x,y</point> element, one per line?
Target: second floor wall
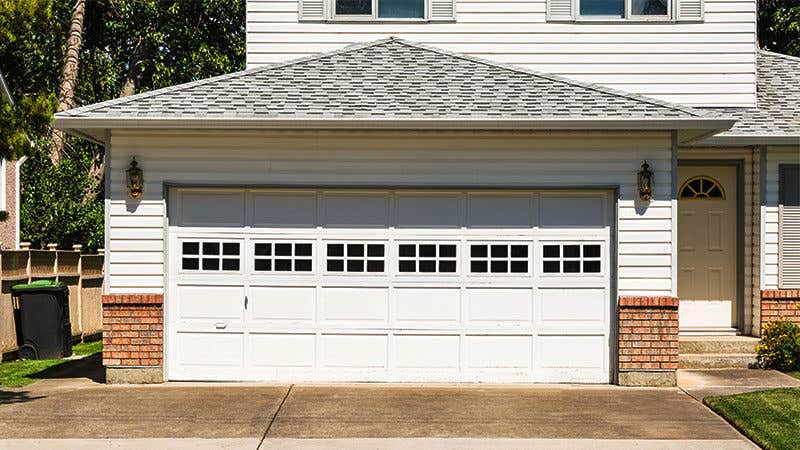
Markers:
<point>707,59</point>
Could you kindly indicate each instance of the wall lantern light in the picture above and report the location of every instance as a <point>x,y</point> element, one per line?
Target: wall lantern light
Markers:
<point>135,180</point>
<point>645,182</point>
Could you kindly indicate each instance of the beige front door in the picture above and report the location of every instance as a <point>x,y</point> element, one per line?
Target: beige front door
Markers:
<point>707,217</point>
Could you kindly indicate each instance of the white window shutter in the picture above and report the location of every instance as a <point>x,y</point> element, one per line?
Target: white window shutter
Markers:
<point>312,10</point>
<point>789,227</point>
<point>558,10</point>
<point>442,10</point>
<point>690,11</point>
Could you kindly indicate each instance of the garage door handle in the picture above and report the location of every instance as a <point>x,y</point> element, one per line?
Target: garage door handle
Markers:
<point>220,325</point>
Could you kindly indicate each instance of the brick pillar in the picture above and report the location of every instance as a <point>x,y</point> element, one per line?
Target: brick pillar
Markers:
<point>648,341</point>
<point>777,303</point>
<point>133,338</point>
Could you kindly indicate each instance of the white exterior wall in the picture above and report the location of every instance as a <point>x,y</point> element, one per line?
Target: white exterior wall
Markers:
<point>136,230</point>
<point>769,212</point>
<point>705,64</point>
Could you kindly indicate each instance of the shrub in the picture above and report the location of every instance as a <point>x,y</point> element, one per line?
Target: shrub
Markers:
<point>780,346</point>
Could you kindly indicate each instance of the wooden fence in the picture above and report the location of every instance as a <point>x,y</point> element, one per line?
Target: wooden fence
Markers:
<point>83,275</point>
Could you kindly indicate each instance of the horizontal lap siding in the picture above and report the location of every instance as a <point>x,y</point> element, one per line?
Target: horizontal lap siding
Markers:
<point>136,258</point>
<point>709,64</point>
<point>775,157</point>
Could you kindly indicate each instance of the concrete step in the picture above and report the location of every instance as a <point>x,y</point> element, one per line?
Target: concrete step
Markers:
<point>716,360</point>
<point>717,344</point>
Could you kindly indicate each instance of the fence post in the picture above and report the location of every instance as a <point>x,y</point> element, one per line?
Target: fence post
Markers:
<point>77,248</point>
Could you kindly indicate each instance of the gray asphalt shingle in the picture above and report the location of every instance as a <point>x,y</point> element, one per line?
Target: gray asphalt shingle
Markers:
<point>778,97</point>
<point>391,79</point>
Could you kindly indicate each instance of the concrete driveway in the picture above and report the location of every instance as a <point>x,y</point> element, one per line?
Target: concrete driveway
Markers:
<point>246,414</point>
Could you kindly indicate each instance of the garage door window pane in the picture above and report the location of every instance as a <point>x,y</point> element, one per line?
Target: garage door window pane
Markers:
<point>210,256</point>
<point>287,257</point>
<point>499,258</point>
<point>427,258</point>
<point>210,264</point>
<point>230,264</point>
<point>356,258</point>
<point>571,258</point>
<point>230,249</point>
<point>211,248</point>
<point>191,248</point>
<point>191,263</point>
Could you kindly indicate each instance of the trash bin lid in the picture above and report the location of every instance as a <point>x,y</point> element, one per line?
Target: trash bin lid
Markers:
<point>38,285</point>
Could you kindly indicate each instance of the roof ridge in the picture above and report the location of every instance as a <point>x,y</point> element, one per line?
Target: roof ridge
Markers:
<point>204,81</point>
<point>569,81</point>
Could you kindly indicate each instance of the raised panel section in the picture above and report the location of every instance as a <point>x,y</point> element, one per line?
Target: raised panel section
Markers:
<point>284,210</point>
<point>572,310</point>
<point>355,306</point>
<point>426,352</point>
<point>364,210</point>
<point>427,307</point>
<point>500,308</point>
<point>571,352</point>
<point>210,349</point>
<point>211,209</point>
<point>498,352</point>
<point>428,211</point>
<point>282,304</point>
<point>282,350</point>
<point>210,302</point>
<point>558,211</point>
<point>354,351</point>
<point>502,211</point>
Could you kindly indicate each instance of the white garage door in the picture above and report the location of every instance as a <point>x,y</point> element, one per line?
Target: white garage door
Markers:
<point>389,285</point>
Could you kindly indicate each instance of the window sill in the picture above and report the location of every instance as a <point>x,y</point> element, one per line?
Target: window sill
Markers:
<point>374,21</point>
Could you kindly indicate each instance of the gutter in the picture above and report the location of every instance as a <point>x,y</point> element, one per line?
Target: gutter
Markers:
<point>750,140</point>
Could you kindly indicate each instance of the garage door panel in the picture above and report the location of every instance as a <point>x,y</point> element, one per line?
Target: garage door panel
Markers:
<point>356,307</point>
<point>283,210</point>
<point>500,211</point>
<point>415,352</point>
<point>572,310</point>
<point>498,352</point>
<point>210,302</point>
<point>427,307</point>
<point>572,358</point>
<point>211,349</point>
<point>285,305</point>
<point>354,351</point>
<point>499,308</point>
<point>358,211</point>
<point>428,211</point>
<point>212,209</point>
<point>282,350</point>
<point>564,211</point>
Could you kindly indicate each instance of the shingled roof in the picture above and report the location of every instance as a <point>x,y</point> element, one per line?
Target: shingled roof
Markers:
<point>389,78</point>
<point>777,115</point>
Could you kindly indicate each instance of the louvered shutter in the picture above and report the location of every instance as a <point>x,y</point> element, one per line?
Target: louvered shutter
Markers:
<point>442,11</point>
<point>789,226</point>
<point>690,11</point>
<point>312,9</point>
<point>561,10</point>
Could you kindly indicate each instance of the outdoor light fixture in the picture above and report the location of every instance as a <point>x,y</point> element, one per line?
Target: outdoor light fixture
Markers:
<point>135,180</point>
<point>645,181</point>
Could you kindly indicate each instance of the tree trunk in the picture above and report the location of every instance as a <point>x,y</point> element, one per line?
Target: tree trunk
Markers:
<point>69,78</point>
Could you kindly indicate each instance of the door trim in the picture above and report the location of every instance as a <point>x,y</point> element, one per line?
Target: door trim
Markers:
<point>739,165</point>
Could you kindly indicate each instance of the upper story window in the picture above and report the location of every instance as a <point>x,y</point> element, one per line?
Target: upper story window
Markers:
<point>622,9</point>
<point>379,9</point>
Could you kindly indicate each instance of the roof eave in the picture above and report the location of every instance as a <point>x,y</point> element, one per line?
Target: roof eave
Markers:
<point>750,139</point>
<point>689,128</point>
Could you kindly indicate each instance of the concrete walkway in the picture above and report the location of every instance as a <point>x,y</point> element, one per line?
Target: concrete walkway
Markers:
<point>713,382</point>
<point>78,412</point>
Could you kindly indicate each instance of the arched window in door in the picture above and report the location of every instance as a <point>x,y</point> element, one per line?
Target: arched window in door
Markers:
<point>702,187</point>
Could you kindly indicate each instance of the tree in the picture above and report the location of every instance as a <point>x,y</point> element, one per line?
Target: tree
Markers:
<point>779,26</point>
<point>66,94</point>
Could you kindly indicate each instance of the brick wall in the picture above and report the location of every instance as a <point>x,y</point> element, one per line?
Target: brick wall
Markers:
<point>648,334</point>
<point>780,303</point>
<point>133,330</point>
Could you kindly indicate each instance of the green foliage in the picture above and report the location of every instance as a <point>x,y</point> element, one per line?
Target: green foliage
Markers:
<point>54,206</point>
<point>152,43</point>
<point>779,26</point>
<point>30,116</point>
<point>780,346</point>
<point>770,418</point>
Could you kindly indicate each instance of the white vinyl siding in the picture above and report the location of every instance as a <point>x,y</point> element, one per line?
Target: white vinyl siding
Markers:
<point>136,235</point>
<point>770,212</point>
<point>709,64</point>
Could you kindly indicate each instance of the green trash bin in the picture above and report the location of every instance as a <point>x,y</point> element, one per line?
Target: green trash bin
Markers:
<point>45,329</point>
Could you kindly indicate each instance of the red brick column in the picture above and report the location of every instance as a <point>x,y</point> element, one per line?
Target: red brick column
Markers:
<point>133,337</point>
<point>648,341</point>
<point>777,303</point>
